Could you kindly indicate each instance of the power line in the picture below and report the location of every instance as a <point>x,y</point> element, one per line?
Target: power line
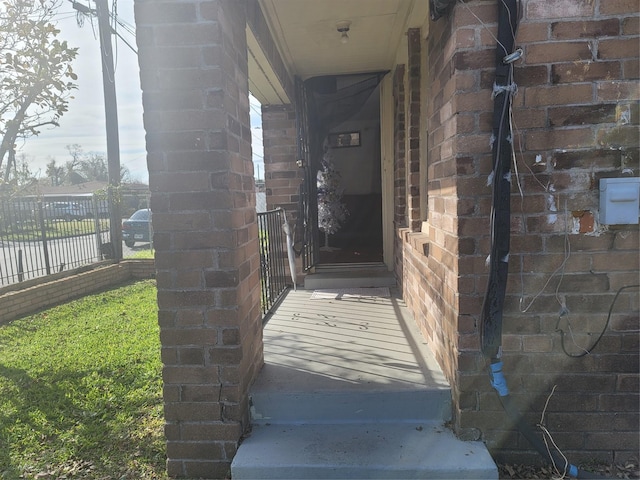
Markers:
<point>63,15</point>
<point>255,109</point>
<point>127,26</point>
<point>85,11</point>
<point>115,32</point>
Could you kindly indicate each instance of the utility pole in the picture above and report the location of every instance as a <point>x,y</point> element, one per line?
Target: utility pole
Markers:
<point>111,117</point>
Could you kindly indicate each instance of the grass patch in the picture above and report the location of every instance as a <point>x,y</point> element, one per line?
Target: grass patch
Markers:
<point>80,390</point>
<point>145,252</point>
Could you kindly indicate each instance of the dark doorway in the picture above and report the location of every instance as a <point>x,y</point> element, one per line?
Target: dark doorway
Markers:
<point>358,162</point>
<point>341,115</point>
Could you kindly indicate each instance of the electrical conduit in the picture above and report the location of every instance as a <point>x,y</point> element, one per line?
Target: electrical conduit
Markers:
<point>492,309</point>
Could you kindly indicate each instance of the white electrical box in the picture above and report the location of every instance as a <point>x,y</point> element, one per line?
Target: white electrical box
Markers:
<point>619,201</point>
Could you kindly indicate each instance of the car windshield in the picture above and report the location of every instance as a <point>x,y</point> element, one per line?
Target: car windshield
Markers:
<point>140,215</point>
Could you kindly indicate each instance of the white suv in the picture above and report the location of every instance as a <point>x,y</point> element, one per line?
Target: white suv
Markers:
<point>64,211</point>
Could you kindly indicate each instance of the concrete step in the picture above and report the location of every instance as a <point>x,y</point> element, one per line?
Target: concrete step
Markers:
<point>349,389</point>
<point>411,406</point>
<point>355,451</point>
<point>353,276</point>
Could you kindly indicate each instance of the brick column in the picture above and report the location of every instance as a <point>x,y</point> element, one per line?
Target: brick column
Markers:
<point>413,131</point>
<point>399,171</point>
<point>399,167</point>
<point>282,175</point>
<point>193,59</point>
<point>281,172</point>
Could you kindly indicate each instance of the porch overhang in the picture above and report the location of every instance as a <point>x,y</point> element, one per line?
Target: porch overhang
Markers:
<point>269,79</point>
<point>289,38</point>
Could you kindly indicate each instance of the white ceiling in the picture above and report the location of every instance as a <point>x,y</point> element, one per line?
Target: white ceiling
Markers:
<point>306,34</point>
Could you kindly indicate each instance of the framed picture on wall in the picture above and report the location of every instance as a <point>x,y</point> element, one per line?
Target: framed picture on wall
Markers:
<point>344,139</point>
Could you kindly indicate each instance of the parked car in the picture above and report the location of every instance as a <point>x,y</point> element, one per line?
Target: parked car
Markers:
<point>64,211</point>
<point>137,228</point>
<point>102,208</point>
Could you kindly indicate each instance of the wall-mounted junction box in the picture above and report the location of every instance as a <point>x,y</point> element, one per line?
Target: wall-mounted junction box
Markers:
<point>619,201</point>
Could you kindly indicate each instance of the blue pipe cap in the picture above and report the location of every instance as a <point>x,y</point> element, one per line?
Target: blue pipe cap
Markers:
<point>497,379</point>
<point>573,471</point>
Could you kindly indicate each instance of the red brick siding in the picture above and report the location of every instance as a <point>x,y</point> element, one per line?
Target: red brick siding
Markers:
<point>282,174</point>
<point>414,220</point>
<point>203,196</point>
<point>430,257</point>
<point>399,169</point>
<point>576,116</point>
<point>400,159</point>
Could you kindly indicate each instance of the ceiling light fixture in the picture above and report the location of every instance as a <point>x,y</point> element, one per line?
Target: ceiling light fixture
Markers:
<point>343,28</point>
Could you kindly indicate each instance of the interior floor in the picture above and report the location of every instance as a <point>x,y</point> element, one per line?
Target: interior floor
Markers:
<point>363,254</point>
<point>359,239</point>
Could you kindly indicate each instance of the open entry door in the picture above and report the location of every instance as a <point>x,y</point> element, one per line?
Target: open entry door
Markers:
<point>324,104</point>
<point>307,224</point>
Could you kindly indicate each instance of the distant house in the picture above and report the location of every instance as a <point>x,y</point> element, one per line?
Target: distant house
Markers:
<point>134,195</point>
<point>86,189</point>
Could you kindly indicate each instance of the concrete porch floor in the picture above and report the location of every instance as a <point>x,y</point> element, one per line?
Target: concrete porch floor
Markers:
<point>349,389</point>
<point>345,344</point>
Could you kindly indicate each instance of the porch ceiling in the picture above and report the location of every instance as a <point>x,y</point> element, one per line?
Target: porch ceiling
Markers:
<point>306,37</point>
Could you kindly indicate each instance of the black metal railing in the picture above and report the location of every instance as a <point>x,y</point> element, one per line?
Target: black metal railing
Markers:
<point>274,279</point>
<point>39,238</point>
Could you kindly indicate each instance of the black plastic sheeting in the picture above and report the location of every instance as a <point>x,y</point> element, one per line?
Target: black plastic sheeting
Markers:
<point>334,99</point>
<point>322,104</point>
<point>439,8</point>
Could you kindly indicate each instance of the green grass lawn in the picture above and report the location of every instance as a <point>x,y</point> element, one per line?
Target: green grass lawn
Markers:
<point>144,253</point>
<point>80,390</point>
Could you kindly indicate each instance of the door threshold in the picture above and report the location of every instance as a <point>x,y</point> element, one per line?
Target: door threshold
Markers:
<point>349,275</point>
<point>332,267</point>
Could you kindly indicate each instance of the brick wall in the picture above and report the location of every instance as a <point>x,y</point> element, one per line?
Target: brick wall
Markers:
<point>430,284</point>
<point>400,142</point>
<point>193,58</point>
<point>282,174</point>
<point>414,221</point>
<point>399,170</point>
<point>576,115</point>
<point>28,297</point>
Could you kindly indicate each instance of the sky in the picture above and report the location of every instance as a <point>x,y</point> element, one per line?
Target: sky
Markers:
<point>84,123</point>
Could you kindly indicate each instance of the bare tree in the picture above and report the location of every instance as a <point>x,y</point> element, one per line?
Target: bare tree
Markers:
<point>22,174</point>
<point>71,166</point>
<point>84,167</point>
<point>94,167</point>
<point>55,173</point>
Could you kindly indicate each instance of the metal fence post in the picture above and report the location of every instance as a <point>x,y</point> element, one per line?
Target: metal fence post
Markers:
<point>96,225</point>
<point>43,236</point>
<point>20,267</point>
